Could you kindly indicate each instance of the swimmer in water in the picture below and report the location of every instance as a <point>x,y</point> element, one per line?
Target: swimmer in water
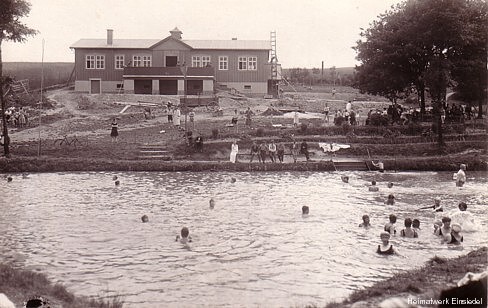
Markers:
<point>211,203</point>
<point>408,231</point>
<point>437,207</point>
<point>9,179</point>
<point>345,178</point>
<point>117,183</point>
<point>390,200</point>
<point>386,248</point>
<point>373,186</point>
<point>416,225</point>
<point>115,178</point>
<point>305,210</point>
<point>455,237</point>
<point>390,226</point>
<point>144,218</point>
<point>463,217</point>
<point>185,236</point>
<point>445,230</point>
<point>461,176</point>
<point>379,165</point>
<point>390,185</point>
<point>365,223</point>
<point>233,180</point>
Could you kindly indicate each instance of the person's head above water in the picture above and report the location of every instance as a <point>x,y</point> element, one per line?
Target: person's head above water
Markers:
<point>390,185</point>
<point>446,221</point>
<point>390,200</point>
<point>416,223</point>
<point>393,218</point>
<point>185,232</point>
<point>212,203</point>
<point>385,236</point>
<point>144,218</point>
<point>462,206</point>
<point>365,219</point>
<point>305,209</point>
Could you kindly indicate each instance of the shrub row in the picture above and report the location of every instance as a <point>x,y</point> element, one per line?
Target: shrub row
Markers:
<point>346,130</point>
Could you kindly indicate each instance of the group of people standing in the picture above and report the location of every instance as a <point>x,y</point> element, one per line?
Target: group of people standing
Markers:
<point>174,114</point>
<point>275,152</point>
<point>17,117</point>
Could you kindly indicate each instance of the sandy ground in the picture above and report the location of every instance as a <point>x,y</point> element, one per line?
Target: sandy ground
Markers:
<point>87,115</point>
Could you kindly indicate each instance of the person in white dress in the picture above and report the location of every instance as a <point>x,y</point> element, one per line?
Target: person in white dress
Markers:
<point>233,151</point>
<point>177,117</point>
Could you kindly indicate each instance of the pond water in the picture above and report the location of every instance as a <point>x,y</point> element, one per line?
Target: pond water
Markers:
<point>253,249</point>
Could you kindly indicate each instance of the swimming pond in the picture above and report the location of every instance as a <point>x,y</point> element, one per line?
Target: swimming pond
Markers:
<point>254,248</point>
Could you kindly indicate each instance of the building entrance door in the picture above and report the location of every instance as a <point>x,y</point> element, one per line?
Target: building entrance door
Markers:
<point>95,87</point>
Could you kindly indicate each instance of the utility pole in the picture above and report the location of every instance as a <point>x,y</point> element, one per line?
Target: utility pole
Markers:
<point>40,102</point>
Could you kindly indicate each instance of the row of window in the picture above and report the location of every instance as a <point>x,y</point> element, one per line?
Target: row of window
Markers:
<point>243,63</point>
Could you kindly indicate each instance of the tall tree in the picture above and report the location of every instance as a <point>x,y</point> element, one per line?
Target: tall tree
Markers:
<point>469,65</point>
<point>11,29</point>
<point>407,40</point>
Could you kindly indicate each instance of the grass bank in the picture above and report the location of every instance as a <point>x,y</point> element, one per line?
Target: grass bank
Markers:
<point>424,283</point>
<point>50,164</point>
<point>22,285</point>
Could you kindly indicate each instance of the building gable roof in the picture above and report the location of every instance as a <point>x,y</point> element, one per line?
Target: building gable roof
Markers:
<point>170,38</point>
<point>192,44</point>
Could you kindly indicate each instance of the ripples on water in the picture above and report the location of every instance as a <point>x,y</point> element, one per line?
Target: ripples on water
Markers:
<point>254,248</point>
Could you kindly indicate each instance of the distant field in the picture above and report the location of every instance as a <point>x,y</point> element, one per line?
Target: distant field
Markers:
<point>54,72</point>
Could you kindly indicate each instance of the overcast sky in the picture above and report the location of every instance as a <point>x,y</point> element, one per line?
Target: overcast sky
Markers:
<point>307,31</point>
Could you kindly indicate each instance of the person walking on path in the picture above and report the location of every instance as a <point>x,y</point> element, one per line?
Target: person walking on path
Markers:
<point>114,133</point>
<point>249,114</point>
<point>296,119</point>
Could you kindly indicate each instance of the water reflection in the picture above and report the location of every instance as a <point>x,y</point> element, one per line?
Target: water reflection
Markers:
<point>253,248</point>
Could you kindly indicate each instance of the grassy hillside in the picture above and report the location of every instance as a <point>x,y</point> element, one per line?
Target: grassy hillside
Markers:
<point>54,72</point>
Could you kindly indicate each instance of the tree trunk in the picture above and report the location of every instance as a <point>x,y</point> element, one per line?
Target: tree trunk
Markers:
<point>480,106</point>
<point>440,137</point>
<point>6,138</point>
<point>422,99</point>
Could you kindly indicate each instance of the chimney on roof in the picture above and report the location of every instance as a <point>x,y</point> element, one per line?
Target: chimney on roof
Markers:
<point>234,38</point>
<point>176,33</point>
<point>110,36</point>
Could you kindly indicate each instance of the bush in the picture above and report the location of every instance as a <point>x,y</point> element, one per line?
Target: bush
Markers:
<point>414,129</point>
<point>215,133</point>
<point>260,132</point>
<point>346,128</point>
<point>338,121</point>
<point>377,119</point>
